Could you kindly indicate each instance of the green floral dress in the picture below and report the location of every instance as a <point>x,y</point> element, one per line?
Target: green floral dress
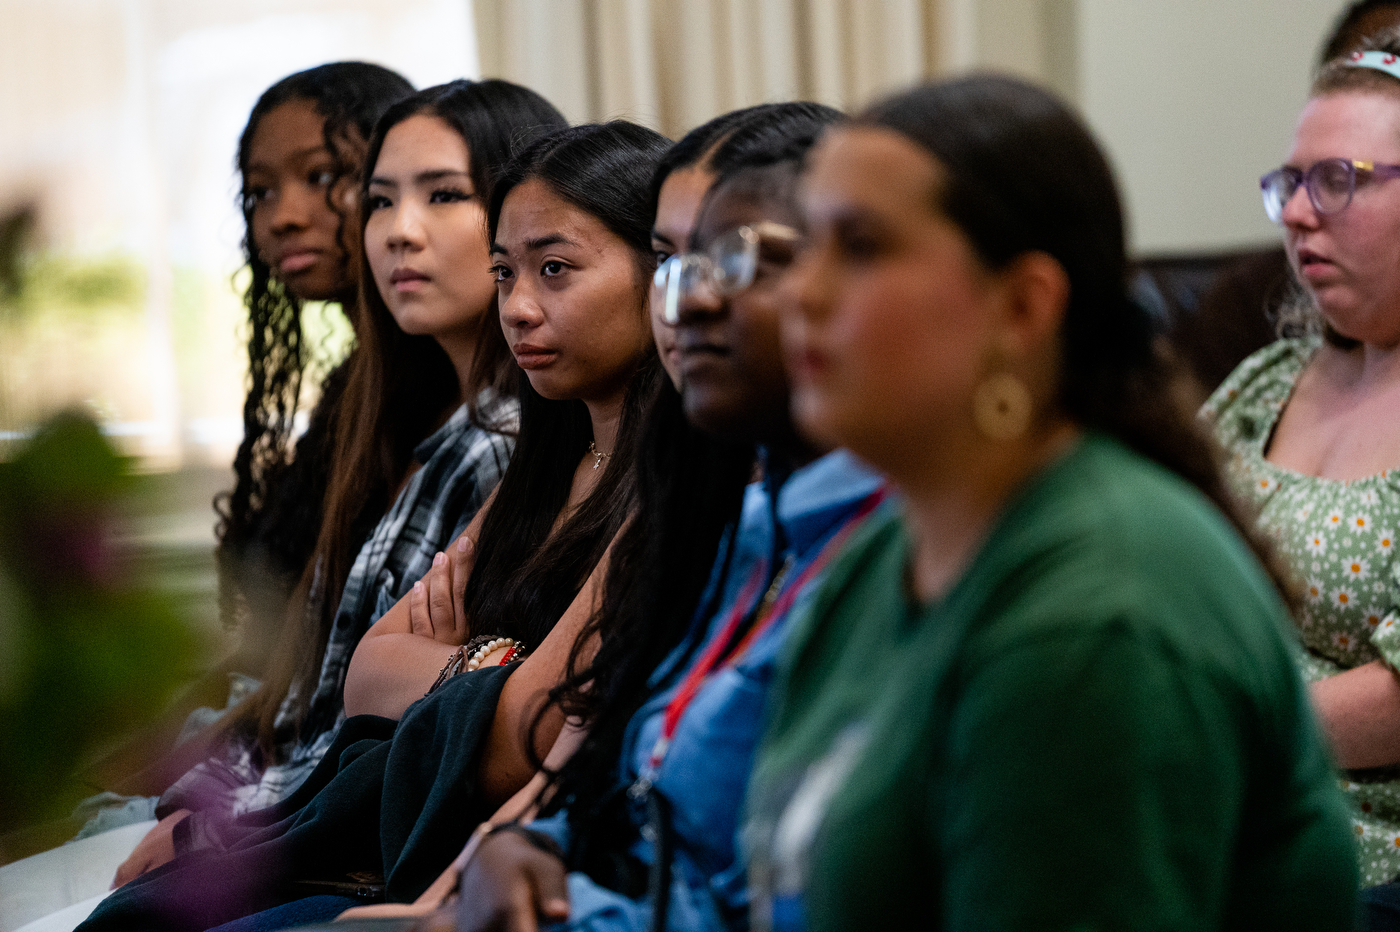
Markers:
<point>1339,537</point>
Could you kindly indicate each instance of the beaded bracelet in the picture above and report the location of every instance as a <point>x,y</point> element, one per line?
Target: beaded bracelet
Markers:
<point>471,646</point>
<point>455,661</point>
<point>513,649</point>
<point>468,657</point>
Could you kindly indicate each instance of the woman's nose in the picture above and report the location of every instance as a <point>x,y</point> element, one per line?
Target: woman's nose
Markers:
<point>1298,210</point>
<point>518,308</point>
<point>802,289</point>
<point>292,208</point>
<point>407,228</point>
<point>697,300</point>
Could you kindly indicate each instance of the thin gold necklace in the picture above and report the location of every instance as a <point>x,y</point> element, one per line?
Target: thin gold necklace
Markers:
<point>598,455</point>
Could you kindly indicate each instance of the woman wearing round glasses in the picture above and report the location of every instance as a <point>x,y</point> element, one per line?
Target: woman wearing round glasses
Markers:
<point>1310,424</point>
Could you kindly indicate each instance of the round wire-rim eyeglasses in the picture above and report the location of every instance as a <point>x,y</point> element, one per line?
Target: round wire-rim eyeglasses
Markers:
<point>726,268</point>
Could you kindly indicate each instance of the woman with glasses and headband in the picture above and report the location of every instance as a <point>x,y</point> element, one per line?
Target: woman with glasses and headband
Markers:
<point>1311,427</point>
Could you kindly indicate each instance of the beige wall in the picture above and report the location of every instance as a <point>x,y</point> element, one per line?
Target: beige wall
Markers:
<point>1195,99</point>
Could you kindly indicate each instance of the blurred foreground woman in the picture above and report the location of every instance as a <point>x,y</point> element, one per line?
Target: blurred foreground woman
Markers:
<point>1055,692</point>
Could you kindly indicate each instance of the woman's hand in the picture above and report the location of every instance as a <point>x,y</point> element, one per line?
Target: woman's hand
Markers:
<point>435,608</point>
<point>510,886</point>
<point>1359,711</point>
<point>399,656</point>
<point>157,848</point>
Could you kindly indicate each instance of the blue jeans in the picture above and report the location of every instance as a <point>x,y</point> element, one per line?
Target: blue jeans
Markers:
<point>1379,908</point>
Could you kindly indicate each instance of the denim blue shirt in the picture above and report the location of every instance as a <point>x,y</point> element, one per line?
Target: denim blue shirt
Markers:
<point>705,771</point>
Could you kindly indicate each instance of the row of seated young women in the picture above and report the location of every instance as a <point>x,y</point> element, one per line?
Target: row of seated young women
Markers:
<point>794,527</point>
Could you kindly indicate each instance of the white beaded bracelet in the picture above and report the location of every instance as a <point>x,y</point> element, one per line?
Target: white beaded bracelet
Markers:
<point>485,650</point>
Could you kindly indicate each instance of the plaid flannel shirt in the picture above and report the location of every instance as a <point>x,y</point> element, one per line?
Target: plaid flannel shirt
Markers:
<point>461,464</point>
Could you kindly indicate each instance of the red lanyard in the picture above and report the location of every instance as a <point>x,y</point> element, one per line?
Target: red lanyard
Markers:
<point>770,609</point>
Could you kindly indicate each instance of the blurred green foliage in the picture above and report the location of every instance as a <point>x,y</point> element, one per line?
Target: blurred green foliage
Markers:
<point>88,652</point>
<point>15,228</point>
<point>58,283</point>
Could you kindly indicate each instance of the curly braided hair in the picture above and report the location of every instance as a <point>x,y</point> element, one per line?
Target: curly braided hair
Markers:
<point>268,521</point>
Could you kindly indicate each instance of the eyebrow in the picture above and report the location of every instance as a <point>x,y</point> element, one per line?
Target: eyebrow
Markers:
<point>553,239</point>
<point>662,237</point>
<point>427,177</point>
<point>852,214</point>
<point>299,154</point>
<point>534,245</point>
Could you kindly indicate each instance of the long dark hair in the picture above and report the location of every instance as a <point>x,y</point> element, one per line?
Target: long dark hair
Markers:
<point>690,487</point>
<point>1024,174</point>
<point>496,119</point>
<point>275,503</point>
<point>525,576</point>
<point>398,385</point>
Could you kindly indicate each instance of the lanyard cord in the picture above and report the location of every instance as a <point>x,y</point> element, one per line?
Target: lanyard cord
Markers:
<point>724,652</point>
<point>775,603</point>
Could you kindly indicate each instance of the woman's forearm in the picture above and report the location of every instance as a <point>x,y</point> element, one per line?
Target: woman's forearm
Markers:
<point>509,763</point>
<point>397,660</point>
<point>1360,714</point>
<point>390,672</point>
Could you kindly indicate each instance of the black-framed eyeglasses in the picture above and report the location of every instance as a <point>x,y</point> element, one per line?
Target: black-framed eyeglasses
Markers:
<point>1330,183</point>
<point>726,268</point>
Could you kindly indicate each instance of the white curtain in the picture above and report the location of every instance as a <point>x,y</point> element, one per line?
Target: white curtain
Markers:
<point>673,64</point>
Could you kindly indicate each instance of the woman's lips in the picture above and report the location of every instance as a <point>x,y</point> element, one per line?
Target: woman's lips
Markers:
<point>530,356</point>
<point>700,362</point>
<point>300,261</point>
<point>1313,266</point>
<point>405,280</point>
<point>807,362</point>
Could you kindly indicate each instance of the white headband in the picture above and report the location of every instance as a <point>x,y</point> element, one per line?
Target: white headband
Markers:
<point>1381,61</point>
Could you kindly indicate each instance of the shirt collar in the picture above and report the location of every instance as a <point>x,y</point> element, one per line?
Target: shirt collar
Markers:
<point>820,492</point>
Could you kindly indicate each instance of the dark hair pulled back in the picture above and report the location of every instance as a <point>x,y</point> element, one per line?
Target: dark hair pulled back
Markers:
<point>275,504</point>
<point>749,129</point>
<point>1022,174</point>
<point>1348,32</point>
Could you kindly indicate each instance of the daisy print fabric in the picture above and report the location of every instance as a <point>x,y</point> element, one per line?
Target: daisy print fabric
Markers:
<point>1339,539</point>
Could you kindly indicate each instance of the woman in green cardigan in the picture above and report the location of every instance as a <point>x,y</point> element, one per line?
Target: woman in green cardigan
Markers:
<point>1053,689</point>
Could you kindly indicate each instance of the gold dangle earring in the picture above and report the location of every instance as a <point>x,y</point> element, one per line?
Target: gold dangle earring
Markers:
<point>1001,407</point>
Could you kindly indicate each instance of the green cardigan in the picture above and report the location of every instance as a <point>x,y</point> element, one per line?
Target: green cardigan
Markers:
<point>1099,727</point>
